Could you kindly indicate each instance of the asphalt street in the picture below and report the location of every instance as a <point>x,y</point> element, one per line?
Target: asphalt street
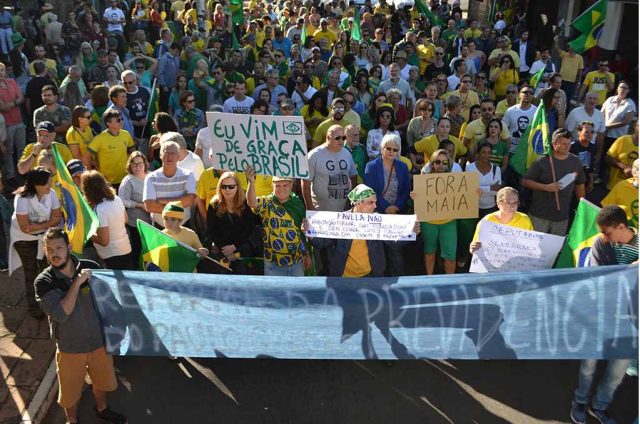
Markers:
<point>191,390</point>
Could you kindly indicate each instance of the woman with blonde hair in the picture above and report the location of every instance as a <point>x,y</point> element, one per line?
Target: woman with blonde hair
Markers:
<point>231,225</point>
<point>111,240</point>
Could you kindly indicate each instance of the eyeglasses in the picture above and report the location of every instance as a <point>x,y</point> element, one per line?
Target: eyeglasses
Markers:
<point>391,149</point>
<point>338,109</point>
<point>129,82</point>
<point>277,55</point>
<point>287,107</point>
<point>511,91</point>
<point>137,163</point>
<point>439,53</point>
<point>86,116</point>
<point>353,135</point>
<point>526,92</point>
<point>504,202</point>
<point>441,162</point>
<point>426,109</point>
<point>339,138</point>
<point>227,187</point>
<point>466,81</point>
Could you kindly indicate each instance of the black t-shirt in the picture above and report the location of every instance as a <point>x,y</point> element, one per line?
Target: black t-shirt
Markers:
<point>138,106</point>
<point>34,90</point>
<point>433,71</point>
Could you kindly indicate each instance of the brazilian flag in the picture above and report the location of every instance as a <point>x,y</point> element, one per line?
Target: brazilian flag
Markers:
<point>535,141</point>
<point>590,24</point>
<point>581,236</point>
<point>356,34</point>
<point>535,78</point>
<point>160,252</point>
<point>425,11</point>
<point>80,221</point>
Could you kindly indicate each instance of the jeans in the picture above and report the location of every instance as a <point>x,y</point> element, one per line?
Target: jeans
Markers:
<point>610,381</point>
<point>295,270</point>
<point>16,141</point>
<point>5,40</point>
<point>32,266</point>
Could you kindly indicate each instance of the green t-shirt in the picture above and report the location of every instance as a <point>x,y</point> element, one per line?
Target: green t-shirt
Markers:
<point>359,155</point>
<point>498,152</point>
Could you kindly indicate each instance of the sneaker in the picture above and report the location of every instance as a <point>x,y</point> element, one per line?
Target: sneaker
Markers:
<point>578,412</point>
<point>110,416</point>
<point>602,416</point>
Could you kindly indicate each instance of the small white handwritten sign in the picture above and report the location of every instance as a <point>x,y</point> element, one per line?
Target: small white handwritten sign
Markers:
<point>507,248</point>
<point>362,226</point>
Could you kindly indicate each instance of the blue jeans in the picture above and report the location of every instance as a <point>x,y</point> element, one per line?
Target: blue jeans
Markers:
<point>295,270</point>
<point>611,379</point>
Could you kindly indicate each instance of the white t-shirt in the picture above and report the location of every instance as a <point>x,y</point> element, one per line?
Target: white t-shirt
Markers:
<point>193,163</point>
<point>204,142</point>
<point>517,120</point>
<point>38,210</point>
<point>111,213</point>
<point>487,198</point>
<point>297,100</point>
<point>537,65</point>
<point>233,105</point>
<point>578,115</point>
<point>114,16</point>
<point>614,112</point>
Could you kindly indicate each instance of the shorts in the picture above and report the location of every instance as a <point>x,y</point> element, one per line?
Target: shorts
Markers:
<point>443,235</point>
<point>73,368</point>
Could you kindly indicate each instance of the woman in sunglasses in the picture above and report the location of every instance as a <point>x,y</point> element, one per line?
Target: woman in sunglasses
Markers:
<point>231,225</point>
<point>503,74</point>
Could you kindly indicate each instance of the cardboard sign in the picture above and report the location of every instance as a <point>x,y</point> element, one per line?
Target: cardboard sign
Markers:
<point>361,226</point>
<point>272,145</point>
<point>507,248</point>
<point>446,196</point>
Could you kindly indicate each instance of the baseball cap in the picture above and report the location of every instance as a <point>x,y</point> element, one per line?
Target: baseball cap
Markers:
<point>323,20</point>
<point>46,126</point>
<point>75,166</point>
<point>287,102</point>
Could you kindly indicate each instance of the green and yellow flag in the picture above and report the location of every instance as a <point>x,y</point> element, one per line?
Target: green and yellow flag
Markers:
<point>590,23</point>
<point>356,34</point>
<point>535,141</point>
<point>80,221</point>
<point>583,233</point>
<point>535,78</point>
<point>163,253</point>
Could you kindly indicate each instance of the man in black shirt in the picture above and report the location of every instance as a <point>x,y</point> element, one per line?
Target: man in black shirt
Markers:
<point>438,66</point>
<point>33,95</point>
<point>63,292</point>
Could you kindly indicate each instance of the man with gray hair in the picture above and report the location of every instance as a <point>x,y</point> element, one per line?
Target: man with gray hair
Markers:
<point>273,76</point>
<point>75,75</point>
<point>186,159</point>
<point>169,184</point>
<point>138,101</point>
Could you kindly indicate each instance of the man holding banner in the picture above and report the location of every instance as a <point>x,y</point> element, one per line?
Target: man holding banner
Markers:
<point>553,180</point>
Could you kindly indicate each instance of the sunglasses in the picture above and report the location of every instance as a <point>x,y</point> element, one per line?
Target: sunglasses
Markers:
<point>129,82</point>
<point>511,91</point>
<point>287,108</point>
<point>439,53</point>
<point>526,92</point>
<point>277,55</point>
<point>137,163</point>
<point>441,162</point>
<point>86,116</point>
<point>391,149</point>
<point>338,109</point>
<point>427,109</point>
<point>466,81</point>
<point>340,138</point>
<point>116,120</point>
<point>227,187</point>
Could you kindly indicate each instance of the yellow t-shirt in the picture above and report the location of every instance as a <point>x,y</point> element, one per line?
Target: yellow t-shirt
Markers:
<point>500,84</point>
<point>476,130</point>
<point>570,65</point>
<point>623,150</point>
<point>498,53</point>
<point>430,144</point>
<point>472,33</point>
<point>64,152</point>
<point>625,195</point>
<point>519,220</point>
<point>425,52</point>
<point>208,182</point>
<point>468,100</point>
<point>51,66</point>
<point>320,136</point>
<point>502,107</point>
<point>358,264</point>
<point>111,151</point>
<point>82,139</point>
<point>328,34</point>
<point>596,81</point>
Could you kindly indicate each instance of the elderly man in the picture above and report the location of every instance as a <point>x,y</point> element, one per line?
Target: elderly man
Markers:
<point>281,214</point>
<point>58,115</point>
<point>169,184</point>
<point>394,81</point>
<point>551,202</point>
<point>186,160</point>
<point>273,76</point>
<point>332,173</point>
<point>118,97</point>
<point>75,75</point>
<point>45,133</point>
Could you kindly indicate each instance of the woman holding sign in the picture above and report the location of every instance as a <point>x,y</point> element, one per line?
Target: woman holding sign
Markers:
<point>507,214</point>
<point>440,234</point>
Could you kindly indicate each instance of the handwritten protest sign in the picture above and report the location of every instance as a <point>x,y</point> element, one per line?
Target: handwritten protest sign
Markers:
<point>507,248</point>
<point>362,226</point>
<point>272,145</point>
<point>446,196</point>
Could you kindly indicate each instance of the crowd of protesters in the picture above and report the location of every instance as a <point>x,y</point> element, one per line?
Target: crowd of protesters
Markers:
<point>408,95</point>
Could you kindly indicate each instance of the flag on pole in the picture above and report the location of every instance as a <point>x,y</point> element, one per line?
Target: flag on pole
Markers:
<point>80,221</point>
<point>590,24</point>
<point>356,33</point>
<point>535,78</point>
<point>160,252</point>
<point>422,8</point>
<point>303,36</point>
<point>581,236</point>
<point>237,14</point>
<point>535,141</point>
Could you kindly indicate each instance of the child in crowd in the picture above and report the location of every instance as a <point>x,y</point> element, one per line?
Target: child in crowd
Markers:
<point>172,216</point>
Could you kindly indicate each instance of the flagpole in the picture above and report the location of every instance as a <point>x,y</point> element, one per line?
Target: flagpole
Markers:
<point>553,176</point>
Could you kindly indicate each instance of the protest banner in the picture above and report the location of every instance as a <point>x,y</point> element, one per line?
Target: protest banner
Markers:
<point>272,145</point>
<point>580,313</point>
<point>507,248</point>
<point>446,196</point>
<point>362,226</point>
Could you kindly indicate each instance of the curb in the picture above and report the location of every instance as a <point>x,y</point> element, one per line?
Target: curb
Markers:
<point>44,397</point>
